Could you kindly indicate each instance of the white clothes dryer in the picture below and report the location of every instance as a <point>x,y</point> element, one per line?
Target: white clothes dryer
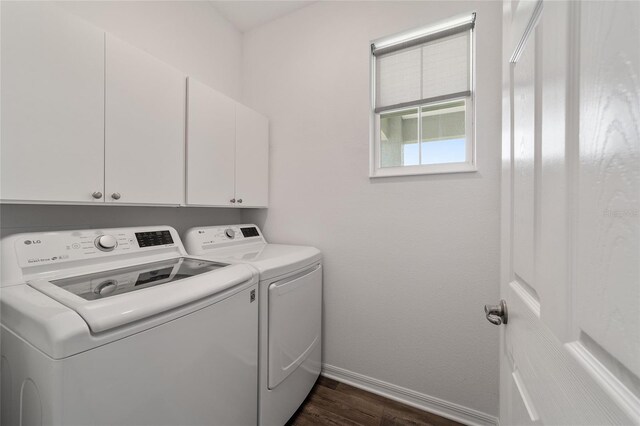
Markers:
<point>122,327</point>
<point>290,305</point>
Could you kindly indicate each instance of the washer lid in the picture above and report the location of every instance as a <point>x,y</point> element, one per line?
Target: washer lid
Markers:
<point>124,280</point>
<point>109,299</point>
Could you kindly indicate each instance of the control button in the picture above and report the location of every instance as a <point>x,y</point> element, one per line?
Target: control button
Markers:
<point>75,246</point>
<point>106,242</point>
<point>230,233</point>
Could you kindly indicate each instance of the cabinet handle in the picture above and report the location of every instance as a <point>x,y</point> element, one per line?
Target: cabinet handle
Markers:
<point>240,200</point>
<point>97,195</point>
<point>233,200</point>
<point>115,195</point>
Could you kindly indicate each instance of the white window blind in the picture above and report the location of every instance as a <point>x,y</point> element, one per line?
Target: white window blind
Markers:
<point>432,67</point>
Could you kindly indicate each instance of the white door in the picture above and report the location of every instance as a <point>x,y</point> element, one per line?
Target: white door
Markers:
<point>252,158</point>
<point>144,127</point>
<point>52,105</point>
<point>211,145</point>
<point>295,322</point>
<point>570,351</point>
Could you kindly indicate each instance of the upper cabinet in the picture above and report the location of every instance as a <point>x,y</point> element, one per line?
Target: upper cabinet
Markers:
<point>52,106</point>
<point>88,118</point>
<point>144,127</point>
<point>227,151</point>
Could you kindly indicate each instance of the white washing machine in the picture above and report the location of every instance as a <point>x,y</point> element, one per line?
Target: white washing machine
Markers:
<point>122,327</point>
<point>290,299</point>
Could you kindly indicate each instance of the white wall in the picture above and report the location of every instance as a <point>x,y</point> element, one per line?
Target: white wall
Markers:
<point>410,261</point>
<point>189,35</point>
<point>35,218</point>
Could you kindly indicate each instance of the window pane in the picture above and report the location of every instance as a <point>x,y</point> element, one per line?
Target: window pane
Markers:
<point>411,154</point>
<point>399,138</point>
<point>441,152</point>
<point>443,133</point>
<point>445,66</point>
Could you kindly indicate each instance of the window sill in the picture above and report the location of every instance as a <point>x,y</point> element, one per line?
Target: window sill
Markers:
<point>433,169</point>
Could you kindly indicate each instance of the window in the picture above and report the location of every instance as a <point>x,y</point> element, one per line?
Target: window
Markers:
<point>422,101</point>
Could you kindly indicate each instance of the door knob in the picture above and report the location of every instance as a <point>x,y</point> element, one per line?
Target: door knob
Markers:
<point>233,200</point>
<point>115,195</point>
<point>97,195</point>
<point>240,200</point>
<point>497,314</point>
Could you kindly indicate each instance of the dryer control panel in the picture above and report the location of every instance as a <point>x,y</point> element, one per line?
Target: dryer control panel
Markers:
<point>213,237</point>
<point>48,248</point>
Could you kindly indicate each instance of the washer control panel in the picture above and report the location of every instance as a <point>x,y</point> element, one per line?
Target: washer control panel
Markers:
<point>65,246</point>
<point>212,237</point>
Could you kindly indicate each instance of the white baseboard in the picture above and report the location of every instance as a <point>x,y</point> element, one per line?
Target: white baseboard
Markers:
<point>406,396</point>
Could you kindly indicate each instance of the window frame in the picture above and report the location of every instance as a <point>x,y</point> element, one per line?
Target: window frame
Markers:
<point>470,165</point>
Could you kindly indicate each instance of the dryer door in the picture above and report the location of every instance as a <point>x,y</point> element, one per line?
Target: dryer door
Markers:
<point>295,322</point>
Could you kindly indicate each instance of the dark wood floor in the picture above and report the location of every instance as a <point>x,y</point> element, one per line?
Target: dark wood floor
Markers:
<point>334,403</point>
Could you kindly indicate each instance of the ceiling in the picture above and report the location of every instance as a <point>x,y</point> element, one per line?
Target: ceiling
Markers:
<point>246,15</point>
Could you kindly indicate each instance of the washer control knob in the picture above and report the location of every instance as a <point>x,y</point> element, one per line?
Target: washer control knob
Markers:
<point>230,233</point>
<point>106,242</point>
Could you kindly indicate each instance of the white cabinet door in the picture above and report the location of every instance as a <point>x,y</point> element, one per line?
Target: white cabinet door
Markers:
<point>570,351</point>
<point>211,134</point>
<point>252,158</point>
<point>144,127</point>
<point>227,151</point>
<point>52,105</point>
